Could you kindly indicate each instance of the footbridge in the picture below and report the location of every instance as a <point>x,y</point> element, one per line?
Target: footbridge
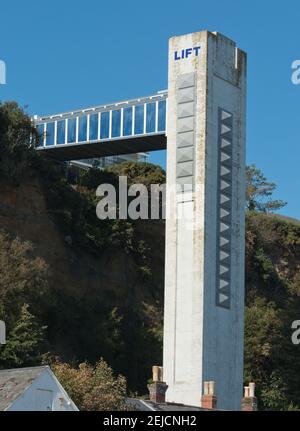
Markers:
<point>131,126</point>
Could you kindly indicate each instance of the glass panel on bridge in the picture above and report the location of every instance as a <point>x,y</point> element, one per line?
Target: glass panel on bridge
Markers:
<point>40,132</point>
<point>116,123</point>
<point>93,127</point>
<point>50,134</point>
<point>104,129</point>
<point>139,120</point>
<point>82,129</point>
<point>61,132</point>
<point>71,130</point>
<point>127,121</point>
<point>138,117</point>
<point>161,116</point>
<point>150,120</point>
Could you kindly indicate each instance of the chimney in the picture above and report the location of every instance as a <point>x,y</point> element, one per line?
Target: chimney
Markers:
<point>249,402</point>
<point>209,399</point>
<point>158,388</point>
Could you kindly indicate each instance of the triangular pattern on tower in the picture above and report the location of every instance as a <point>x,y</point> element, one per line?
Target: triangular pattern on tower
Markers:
<point>185,128</point>
<point>224,210</point>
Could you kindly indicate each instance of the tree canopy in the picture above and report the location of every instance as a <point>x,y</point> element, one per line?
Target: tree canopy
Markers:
<point>18,137</point>
<point>259,191</point>
<point>92,387</point>
<point>26,342</point>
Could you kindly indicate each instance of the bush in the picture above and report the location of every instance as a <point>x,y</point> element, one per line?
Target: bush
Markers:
<point>92,388</point>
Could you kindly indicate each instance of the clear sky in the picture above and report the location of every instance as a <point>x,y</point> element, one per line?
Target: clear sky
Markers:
<point>63,55</point>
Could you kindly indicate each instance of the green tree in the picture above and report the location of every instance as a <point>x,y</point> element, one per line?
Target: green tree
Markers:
<point>262,334</point>
<point>23,277</point>
<point>273,393</point>
<point>259,192</point>
<point>26,342</point>
<point>136,173</point>
<point>139,173</point>
<point>18,138</point>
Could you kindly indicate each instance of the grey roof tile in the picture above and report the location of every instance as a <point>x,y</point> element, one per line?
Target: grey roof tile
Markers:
<point>14,382</point>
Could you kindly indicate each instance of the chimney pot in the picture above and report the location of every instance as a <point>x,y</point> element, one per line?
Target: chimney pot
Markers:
<point>252,389</point>
<point>158,388</point>
<point>249,402</point>
<point>209,400</point>
<point>157,373</point>
<point>211,386</point>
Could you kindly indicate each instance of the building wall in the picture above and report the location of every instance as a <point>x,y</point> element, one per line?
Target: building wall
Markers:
<point>44,394</point>
<point>203,333</point>
<point>104,162</point>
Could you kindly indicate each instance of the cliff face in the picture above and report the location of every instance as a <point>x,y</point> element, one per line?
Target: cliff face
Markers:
<point>24,213</point>
<point>97,303</point>
<point>106,280</point>
<point>272,305</point>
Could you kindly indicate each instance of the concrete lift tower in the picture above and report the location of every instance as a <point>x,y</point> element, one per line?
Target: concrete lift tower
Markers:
<point>204,270</point>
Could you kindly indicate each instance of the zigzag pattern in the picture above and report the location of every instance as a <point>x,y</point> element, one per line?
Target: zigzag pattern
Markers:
<point>224,209</point>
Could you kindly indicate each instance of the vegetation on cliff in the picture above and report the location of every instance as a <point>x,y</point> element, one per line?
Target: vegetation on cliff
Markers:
<point>83,289</point>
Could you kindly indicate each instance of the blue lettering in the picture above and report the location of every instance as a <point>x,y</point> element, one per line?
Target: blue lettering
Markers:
<point>185,53</point>
<point>196,49</point>
<point>188,52</point>
<point>176,56</point>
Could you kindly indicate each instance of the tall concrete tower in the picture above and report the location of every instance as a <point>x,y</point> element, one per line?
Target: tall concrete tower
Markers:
<point>204,285</point>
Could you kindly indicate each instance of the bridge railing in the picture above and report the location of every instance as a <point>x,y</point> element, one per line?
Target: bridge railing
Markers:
<point>132,118</point>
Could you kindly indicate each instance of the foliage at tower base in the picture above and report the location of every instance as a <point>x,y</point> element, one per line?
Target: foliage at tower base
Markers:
<point>272,305</point>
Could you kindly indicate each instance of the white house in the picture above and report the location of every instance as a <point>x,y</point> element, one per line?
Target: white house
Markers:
<point>33,389</point>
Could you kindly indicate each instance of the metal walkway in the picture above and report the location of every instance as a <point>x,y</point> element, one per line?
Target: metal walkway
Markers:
<point>131,126</point>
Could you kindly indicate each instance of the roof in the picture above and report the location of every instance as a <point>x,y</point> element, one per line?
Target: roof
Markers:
<point>15,381</point>
<point>147,405</point>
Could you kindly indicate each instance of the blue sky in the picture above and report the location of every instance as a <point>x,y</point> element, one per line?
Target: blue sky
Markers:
<point>63,55</point>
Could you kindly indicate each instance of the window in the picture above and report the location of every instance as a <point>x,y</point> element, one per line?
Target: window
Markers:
<point>162,116</point>
<point>150,120</point>
<point>61,132</point>
<point>50,134</point>
<point>127,121</point>
<point>82,129</point>
<point>93,127</point>
<point>40,131</point>
<point>116,124</point>
<point>72,130</point>
<point>104,125</point>
<point>139,119</point>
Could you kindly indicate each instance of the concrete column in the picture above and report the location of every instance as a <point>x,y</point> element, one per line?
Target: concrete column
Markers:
<point>204,284</point>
